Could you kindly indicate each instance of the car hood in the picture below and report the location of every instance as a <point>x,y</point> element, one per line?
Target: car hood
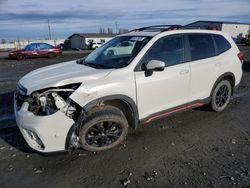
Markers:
<point>59,75</point>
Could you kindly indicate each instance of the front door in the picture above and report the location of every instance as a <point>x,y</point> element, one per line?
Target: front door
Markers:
<point>168,88</point>
<point>31,50</point>
<point>43,49</point>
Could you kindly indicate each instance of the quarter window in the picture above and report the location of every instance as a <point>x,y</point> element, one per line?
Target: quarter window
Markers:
<point>169,49</point>
<point>221,43</point>
<point>201,46</point>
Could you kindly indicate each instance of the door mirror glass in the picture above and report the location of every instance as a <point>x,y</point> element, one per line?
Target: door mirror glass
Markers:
<point>155,65</point>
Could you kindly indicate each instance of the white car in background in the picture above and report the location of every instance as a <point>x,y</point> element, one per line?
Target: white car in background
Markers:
<point>122,48</point>
<point>91,103</point>
<point>96,45</point>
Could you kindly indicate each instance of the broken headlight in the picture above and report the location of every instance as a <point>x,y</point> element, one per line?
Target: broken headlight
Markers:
<point>47,102</point>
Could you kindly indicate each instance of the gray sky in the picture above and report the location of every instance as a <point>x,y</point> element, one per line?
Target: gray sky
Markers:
<point>26,19</point>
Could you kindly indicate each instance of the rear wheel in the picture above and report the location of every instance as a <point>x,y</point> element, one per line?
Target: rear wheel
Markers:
<point>52,55</point>
<point>105,128</point>
<point>221,96</point>
<point>20,57</point>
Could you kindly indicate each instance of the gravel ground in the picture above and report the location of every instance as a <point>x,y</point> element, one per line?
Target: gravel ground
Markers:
<point>196,148</point>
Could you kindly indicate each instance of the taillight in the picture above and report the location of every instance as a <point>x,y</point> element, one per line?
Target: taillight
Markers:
<point>241,56</point>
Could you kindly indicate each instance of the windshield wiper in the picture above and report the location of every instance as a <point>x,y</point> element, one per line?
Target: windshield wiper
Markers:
<point>93,65</point>
<point>80,61</point>
<point>97,66</point>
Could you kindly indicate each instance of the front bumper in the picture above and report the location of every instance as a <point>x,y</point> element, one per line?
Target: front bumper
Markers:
<point>43,133</point>
<point>12,56</point>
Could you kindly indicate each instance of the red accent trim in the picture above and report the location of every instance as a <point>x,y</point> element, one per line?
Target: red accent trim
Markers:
<point>175,110</point>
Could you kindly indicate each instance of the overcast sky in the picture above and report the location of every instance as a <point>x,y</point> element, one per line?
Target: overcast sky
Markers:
<point>26,19</point>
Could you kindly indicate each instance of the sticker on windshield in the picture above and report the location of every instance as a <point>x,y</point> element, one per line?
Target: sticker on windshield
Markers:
<point>138,38</point>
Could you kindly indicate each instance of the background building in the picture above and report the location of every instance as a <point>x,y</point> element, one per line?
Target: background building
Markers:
<point>237,30</point>
<point>83,40</point>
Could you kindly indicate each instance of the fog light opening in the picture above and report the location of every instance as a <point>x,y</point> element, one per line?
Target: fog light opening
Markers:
<point>35,140</point>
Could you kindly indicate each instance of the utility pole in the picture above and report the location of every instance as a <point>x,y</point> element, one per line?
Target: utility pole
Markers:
<point>49,30</point>
<point>116,27</point>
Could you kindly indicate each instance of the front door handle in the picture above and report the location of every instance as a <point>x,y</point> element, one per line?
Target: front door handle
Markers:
<point>183,72</point>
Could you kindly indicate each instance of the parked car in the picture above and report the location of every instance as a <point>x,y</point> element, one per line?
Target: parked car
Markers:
<point>36,50</point>
<point>124,47</point>
<point>91,103</point>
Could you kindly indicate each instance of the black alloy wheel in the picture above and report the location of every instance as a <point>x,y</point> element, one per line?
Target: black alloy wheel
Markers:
<point>103,133</point>
<point>103,128</point>
<point>221,95</point>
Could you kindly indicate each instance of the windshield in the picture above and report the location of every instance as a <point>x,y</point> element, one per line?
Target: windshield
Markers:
<point>117,53</point>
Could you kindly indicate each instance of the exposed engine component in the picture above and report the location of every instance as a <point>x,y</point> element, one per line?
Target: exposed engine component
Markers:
<point>51,101</point>
<point>48,102</point>
<point>43,102</point>
<point>60,102</point>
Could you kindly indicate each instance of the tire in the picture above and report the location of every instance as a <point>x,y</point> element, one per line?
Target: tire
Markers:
<point>51,55</point>
<point>20,57</point>
<point>104,128</point>
<point>221,96</point>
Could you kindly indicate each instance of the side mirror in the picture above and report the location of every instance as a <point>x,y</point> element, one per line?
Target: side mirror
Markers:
<point>155,65</point>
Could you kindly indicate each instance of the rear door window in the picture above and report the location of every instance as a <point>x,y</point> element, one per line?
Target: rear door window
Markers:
<point>221,43</point>
<point>201,46</point>
<point>44,46</point>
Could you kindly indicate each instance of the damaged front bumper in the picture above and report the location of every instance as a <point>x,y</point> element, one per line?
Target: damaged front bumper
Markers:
<point>43,133</point>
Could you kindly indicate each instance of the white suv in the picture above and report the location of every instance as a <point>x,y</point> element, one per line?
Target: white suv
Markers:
<point>91,103</point>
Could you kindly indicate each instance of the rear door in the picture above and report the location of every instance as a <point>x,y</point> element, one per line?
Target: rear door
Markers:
<point>168,88</point>
<point>44,49</point>
<point>203,62</point>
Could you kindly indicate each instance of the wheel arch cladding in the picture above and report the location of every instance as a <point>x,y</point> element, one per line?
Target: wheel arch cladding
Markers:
<point>226,76</point>
<point>123,102</point>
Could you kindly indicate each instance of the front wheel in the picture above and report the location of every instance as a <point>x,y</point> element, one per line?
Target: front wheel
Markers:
<point>105,128</point>
<point>20,57</point>
<point>221,96</point>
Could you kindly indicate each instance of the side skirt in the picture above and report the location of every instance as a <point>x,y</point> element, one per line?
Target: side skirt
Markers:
<point>162,114</point>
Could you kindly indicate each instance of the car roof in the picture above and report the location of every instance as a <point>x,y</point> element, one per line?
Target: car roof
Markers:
<point>36,43</point>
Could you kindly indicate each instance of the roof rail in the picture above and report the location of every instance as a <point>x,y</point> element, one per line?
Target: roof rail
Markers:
<point>162,28</point>
<point>159,28</point>
<point>201,27</point>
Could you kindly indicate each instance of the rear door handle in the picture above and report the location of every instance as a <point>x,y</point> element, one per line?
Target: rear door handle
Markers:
<point>183,72</point>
